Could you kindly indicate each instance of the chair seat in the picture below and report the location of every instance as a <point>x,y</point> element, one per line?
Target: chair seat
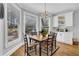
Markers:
<point>32,44</point>
<point>45,44</point>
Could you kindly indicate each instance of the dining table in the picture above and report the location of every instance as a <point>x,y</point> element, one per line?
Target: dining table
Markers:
<point>39,39</point>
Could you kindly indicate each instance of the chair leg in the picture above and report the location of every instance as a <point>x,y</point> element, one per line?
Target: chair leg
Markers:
<point>47,48</point>
<point>55,44</point>
<point>24,50</point>
<point>51,47</point>
<point>27,52</point>
<point>35,50</point>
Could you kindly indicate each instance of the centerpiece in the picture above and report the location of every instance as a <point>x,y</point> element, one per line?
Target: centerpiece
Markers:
<point>44,32</point>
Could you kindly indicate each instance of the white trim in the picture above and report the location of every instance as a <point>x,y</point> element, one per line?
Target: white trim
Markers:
<point>24,23</point>
<point>8,44</point>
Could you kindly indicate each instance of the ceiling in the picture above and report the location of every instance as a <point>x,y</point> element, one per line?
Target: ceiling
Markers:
<point>52,8</point>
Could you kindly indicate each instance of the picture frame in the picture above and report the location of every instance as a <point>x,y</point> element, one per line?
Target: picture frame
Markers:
<point>61,19</point>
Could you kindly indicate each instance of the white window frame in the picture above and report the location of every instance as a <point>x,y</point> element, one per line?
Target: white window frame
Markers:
<point>8,44</point>
<point>27,13</point>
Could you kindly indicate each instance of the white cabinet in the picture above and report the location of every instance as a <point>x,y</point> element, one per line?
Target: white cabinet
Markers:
<point>65,37</point>
<point>68,38</point>
<point>55,21</point>
<point>60,37</point>
<point>68,17</point>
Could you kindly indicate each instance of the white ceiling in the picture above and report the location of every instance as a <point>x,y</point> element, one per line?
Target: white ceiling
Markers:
<point>52,8</point>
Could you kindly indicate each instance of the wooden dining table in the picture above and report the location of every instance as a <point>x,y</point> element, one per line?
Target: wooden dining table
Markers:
<point>39,39</point>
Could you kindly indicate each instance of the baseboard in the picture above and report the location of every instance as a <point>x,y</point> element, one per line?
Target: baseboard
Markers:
<point>75,43</point>
<point>13,49</point>
<point>64,43</point>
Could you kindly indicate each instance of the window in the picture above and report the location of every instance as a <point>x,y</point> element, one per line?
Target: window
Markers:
<point>30,24</point>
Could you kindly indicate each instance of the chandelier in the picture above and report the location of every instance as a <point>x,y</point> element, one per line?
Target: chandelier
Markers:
<point>44,15</point>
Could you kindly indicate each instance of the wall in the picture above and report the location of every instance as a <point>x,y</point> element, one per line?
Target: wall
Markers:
<point>1,35</point>
<point>76,25</point>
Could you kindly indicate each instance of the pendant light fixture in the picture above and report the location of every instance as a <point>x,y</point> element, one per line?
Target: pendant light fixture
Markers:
<point>44,15</point>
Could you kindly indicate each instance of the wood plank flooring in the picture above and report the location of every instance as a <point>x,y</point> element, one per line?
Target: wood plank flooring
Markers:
<point>67,50</point>
<point>64,50</point>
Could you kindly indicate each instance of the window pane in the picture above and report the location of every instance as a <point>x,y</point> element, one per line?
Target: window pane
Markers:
<point>30,24</point>
<point>13,17</point>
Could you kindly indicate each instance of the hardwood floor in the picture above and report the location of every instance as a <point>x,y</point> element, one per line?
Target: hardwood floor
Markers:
<point>64,50</point>
<point>19,52</point>
<point>67,50</point>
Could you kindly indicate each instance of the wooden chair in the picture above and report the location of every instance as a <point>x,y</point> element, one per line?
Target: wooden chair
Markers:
<point>54,36</point>
<point>29,45</point>
<point>48,44</point>
<point>54,39</point>
<point>34,33</point>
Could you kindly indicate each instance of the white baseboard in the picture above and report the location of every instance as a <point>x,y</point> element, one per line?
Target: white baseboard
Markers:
<point>13,49</point>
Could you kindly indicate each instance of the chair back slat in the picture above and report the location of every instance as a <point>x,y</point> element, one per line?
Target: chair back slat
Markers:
<point>27,39</point>
<point>55,35</point>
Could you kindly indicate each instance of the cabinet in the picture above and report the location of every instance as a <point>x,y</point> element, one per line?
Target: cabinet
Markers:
<point>60,37</point>
<point>68,38</point>
<point>68,18</point>
<point>65,37</point>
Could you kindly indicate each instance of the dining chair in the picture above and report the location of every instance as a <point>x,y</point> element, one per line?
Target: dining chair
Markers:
<point>34,33</point>
<point>29,46</point>
<point>54,36</point>
<point>54,40</point>
<point>48,44</point>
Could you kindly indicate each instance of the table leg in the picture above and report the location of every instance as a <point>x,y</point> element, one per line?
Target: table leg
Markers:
<point>51,46</point>
<point>39,48</point>
<point>55,44</point>
<point>47,47</point>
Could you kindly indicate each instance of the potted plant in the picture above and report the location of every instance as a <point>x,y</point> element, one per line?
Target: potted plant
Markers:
<point>44,32</point>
